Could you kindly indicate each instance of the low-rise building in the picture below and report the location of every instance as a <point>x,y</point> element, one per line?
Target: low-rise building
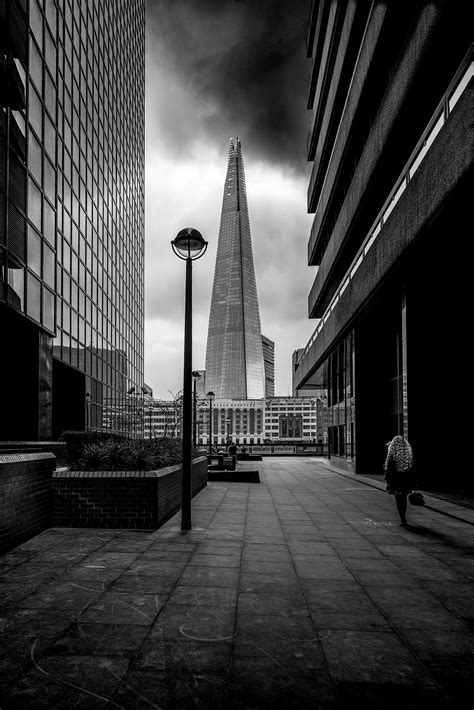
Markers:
<point>259,421</point>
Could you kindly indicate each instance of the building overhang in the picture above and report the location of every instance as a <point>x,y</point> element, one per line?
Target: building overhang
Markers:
<point>424,197</point>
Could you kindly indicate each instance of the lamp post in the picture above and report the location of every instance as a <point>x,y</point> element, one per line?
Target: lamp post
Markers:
<point>131,410</point>
<point>142,402</point>
<point>196,377</point>
<point>88,408</point>
<point>187,245</point>
<point>211,396</point>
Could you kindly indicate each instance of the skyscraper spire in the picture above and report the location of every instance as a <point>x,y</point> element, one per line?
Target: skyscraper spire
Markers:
<point>234,357</point>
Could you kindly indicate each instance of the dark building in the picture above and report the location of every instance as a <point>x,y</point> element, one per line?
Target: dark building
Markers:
<point>314,389</point>
<point>391,190</point>
<point>71,211</point>
<point>269,365</point>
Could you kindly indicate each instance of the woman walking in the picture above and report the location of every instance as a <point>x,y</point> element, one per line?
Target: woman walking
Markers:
<point>400,473</point>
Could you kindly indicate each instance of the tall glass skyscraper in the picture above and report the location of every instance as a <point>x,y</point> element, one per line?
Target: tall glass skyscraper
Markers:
<point>71,212</point>
<point>234,357</point>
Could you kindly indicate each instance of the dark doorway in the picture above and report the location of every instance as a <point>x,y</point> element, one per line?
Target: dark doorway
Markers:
<point>69,399</point>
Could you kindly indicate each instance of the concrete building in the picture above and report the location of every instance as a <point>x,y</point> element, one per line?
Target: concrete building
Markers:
<point>293,419</point>
<point>269,365</point>
<point>315,390</point>
<point>259,421</point>
<point>239,420</point>
<point>391,189</point>
<point>71,212</point>
<point>234,355</point>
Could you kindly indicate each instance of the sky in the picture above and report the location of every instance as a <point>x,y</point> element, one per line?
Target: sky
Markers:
<point>217,69</point>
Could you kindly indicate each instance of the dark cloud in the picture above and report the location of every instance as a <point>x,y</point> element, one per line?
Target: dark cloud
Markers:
<point>243,63</point>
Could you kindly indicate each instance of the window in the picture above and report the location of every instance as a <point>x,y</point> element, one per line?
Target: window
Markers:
<point>48,309</point>
<point>35,112</point>
<point>48,265</point>
<point>33,297</point>
<point>34,251</point>
<point>34,204</point>
<point>49,223</point>
<point>36,22</point>
<point>36,66</point>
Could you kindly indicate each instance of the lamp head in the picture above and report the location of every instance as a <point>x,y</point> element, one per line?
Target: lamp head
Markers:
<point>196,375</point>
<point>189,244</point>
<point>211,395</point>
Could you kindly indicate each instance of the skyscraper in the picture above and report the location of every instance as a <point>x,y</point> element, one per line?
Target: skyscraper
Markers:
<point>234,357</point>
<point>269,364</point>
<point>71,212</point>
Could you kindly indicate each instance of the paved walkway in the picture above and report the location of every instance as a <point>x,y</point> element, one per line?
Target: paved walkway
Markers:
<point>298,592</point>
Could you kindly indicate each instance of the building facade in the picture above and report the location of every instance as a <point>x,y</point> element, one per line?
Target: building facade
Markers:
<point>269,365</point>
<point>257,422</point>
<point>316,389</point>
<point>234,356</point>
<point>391,145</point>
<point>294,419</point>
<point>71,212</point>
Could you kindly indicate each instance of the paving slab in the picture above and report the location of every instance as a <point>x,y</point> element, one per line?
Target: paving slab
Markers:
<point>301,591</point>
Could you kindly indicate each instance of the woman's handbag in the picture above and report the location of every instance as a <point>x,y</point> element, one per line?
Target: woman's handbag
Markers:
<point>416,498</point>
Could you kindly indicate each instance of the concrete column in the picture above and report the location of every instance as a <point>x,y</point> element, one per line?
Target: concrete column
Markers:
<point>404,385</point>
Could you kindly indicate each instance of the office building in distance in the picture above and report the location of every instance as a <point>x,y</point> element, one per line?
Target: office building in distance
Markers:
<point>71,212</point>
<point>269,365</point>
<point>391,191</point>
<point>256,422</point>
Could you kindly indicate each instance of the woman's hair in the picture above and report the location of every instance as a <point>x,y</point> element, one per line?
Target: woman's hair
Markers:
<point>400,452</point>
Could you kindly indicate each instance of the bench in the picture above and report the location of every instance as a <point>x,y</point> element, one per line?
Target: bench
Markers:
<point>224,463</point>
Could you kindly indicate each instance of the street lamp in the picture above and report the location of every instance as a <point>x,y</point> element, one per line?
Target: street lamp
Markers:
<point>211,396</point>
<point>142,402</point>
<point>196,377</point>
<point>131,410</point>
<point>187,245</point>
<point>88,407</point>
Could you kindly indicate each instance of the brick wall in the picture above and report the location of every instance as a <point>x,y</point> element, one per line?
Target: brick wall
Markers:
<point>121,499</point>
<point>25,496</point>
<point>58,448</point>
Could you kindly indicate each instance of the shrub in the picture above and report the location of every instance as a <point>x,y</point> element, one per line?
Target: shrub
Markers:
<point>76,442</point>
<point>106,452</point>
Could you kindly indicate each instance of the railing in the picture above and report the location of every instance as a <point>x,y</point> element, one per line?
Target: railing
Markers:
<point>310,449</point>
<point>445,107</point>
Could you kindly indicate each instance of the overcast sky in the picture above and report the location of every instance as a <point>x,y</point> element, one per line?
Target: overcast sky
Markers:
<point>217,69</point>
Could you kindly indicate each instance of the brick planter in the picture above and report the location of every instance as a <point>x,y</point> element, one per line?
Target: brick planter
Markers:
<point>121,499</point>
<point>25,496</point>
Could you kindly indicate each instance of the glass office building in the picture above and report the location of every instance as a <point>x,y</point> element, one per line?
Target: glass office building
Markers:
<point>71,212</point>
<point>234,356</point>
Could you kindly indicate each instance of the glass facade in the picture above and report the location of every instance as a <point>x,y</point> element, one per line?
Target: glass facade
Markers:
<point>341,399</point>
<point>72,190</point>
<point>234,356</point>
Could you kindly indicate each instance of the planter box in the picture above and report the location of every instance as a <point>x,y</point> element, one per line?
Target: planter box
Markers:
<point>141,500</point>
